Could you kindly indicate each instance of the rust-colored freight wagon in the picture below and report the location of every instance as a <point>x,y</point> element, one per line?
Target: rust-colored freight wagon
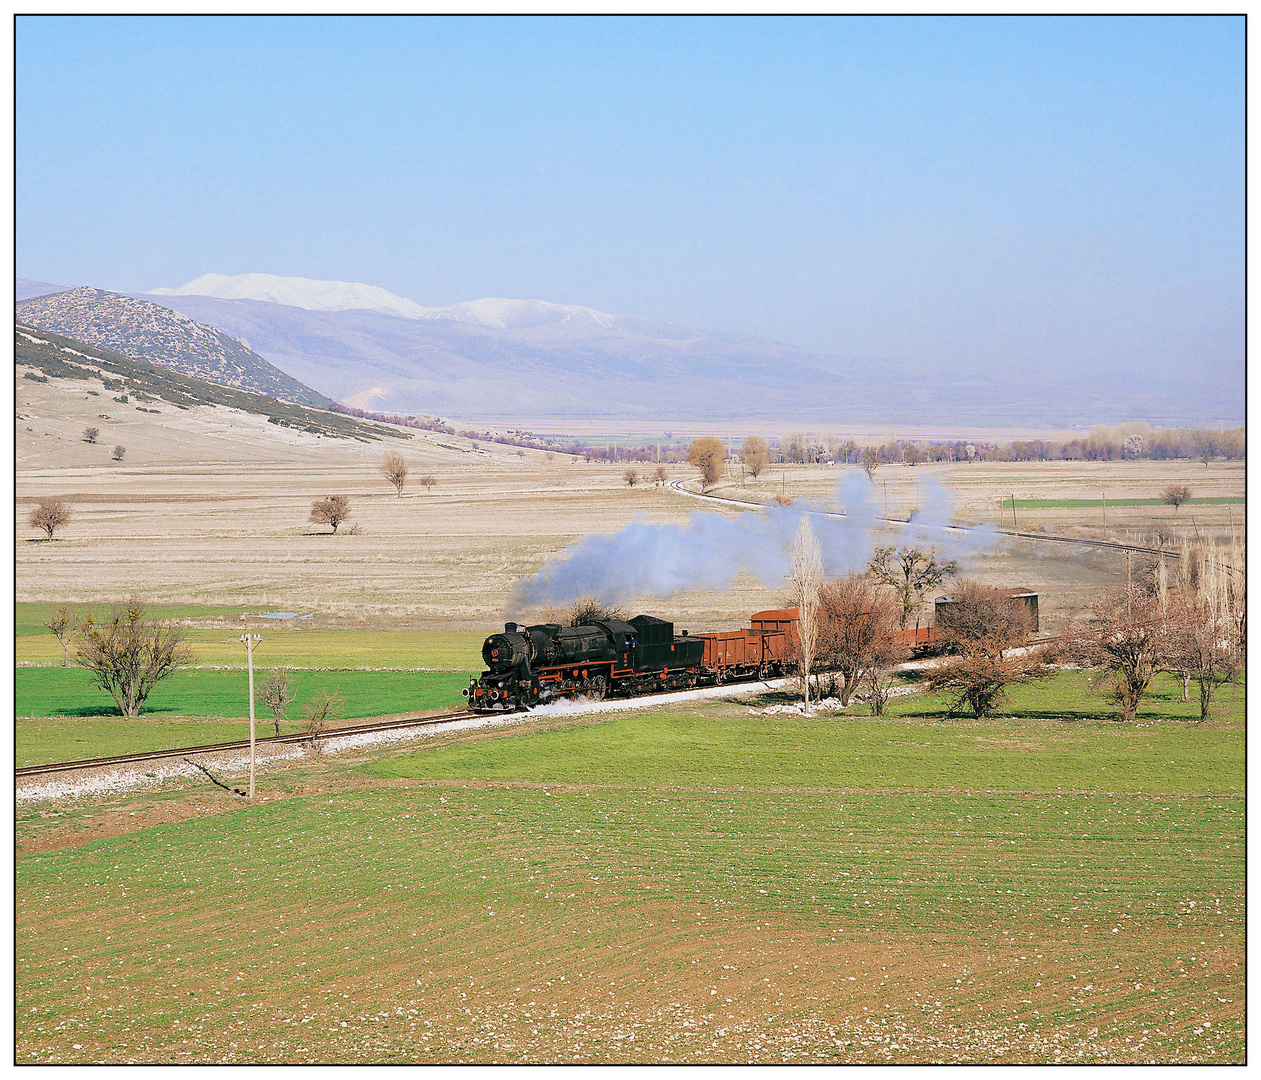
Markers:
<point>768,647</point>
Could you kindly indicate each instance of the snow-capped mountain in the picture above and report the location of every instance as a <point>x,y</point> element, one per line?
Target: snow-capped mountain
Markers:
<point>530,361</point>
<point>299,292</point>
<point>312,295</point>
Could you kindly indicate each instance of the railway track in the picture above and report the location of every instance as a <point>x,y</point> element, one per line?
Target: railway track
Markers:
<point>241,744</point>
<point>680,487</point>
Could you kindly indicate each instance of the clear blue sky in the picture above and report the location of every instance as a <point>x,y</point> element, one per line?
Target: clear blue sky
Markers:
<point>959,191</point>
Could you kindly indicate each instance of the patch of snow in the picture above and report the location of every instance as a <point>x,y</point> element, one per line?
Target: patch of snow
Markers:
<point>299,292</point>
<point>311,295</point>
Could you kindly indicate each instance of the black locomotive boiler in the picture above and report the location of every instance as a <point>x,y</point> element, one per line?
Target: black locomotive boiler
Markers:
<point>528,665</point>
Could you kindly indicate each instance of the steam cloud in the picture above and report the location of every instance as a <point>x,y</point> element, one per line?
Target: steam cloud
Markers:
<point>711,549</point>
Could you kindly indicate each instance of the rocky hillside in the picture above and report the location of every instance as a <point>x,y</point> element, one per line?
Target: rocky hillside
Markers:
<point>40,356</point>
<point>146,331</point>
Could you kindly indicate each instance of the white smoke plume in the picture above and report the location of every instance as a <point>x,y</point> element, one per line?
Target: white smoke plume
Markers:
<point>712,549</point>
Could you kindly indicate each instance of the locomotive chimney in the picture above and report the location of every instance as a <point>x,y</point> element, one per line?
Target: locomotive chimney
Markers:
<point>510,628</point>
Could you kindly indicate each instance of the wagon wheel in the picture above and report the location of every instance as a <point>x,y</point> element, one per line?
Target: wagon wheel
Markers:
<point>597,688</point>
<point>720,677</point>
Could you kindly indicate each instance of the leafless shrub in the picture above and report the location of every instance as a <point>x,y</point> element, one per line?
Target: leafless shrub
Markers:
<point>660,476</point>
<point>585,611</point>
<point>394,469</point>
<point>128,655</point>
<point>332,510</point>
<point>857,620</point>
<point>1127,639</point>
<point>118,453</point>
<point>982,629</point>
<point>1201,646</point>
<point>277,694</point>
<point>90,434</point>
<point>427,482</point>
<point>631,476</point>
<point>58,625</point>
<point>1175,495</point>
<point>318,714</point>
<point>870,462</point>
<point>782,500</point>
<point>49,515</point>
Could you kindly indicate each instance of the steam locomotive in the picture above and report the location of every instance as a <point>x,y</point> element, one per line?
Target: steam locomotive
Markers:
<point>528,665</point>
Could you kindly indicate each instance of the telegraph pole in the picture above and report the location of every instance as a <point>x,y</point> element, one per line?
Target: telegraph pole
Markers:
<point>248,640</point>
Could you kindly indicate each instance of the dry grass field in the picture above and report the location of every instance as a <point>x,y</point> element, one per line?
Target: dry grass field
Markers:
<point>210,507</point>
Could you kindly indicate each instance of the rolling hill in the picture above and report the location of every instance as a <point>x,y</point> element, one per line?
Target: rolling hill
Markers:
<point>145,331</point>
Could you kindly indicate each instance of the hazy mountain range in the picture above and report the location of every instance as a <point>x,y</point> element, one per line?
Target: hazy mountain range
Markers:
<point>505,360</point>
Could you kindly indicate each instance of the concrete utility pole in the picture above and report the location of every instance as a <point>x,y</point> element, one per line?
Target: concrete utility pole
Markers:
<point>1013,511</point>
<point>1105,515</point>
<point>248,640</point>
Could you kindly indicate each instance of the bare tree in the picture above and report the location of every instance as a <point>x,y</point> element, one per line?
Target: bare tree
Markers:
<point>277,694</point>
<point>1201,647</point>
<point>1175,495</point>
<point>910,572</point>
<point>706,455</point>
<point>660,476</point>
<point>427,482</point>
<point>90,434</point>
<point>49,515</point>
<point>332,510</point>
<point>756,453</point>
<point>857,620</point>
<point>394,469</point>
<point>119,452</point>
<point>805,576</point>
<point>985,631</point>
<point>58,625</point>
<point>869,462</point>
<point>1127,639</point>
<point>321,709</point>
<point>129,655</point>
<point>631,476</point>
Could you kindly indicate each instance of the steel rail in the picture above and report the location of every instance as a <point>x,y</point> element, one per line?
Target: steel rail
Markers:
<point>243,744</point>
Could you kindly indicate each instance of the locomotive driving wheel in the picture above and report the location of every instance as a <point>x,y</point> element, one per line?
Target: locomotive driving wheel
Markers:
<point>598,687</point>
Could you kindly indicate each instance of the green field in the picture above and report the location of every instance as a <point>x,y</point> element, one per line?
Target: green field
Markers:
<point>214,633</point>
<point>78,720</point>
<point>699,884</point>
